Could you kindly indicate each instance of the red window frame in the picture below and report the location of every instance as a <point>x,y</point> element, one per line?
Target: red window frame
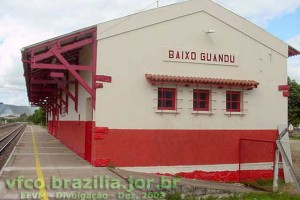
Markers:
<point>197,101</point>
<point>230,101</point>
<point>164,99</point>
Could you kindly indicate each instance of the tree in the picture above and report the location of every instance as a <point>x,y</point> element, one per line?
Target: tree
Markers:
<point>294,103</point>
<point>38,117</point>
<point>23,118</point>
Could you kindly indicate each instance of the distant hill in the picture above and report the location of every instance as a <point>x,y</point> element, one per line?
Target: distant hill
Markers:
<point>6,110</point>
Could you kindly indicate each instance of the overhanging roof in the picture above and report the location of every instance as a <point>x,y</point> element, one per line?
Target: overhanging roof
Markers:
<point>186,80</point>
<point>293,51</point>
<point>48,65</point>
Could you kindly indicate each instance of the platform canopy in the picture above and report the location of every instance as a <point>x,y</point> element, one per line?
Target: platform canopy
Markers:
<point>204,81</point>
<point>50,67</point>
<point>293,51</point>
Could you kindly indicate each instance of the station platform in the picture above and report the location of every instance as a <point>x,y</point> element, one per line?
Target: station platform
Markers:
<point>41,167</point>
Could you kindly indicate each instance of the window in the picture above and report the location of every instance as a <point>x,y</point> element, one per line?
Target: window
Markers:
<point>166,98</point>
<point>201,100</point>
<point>233,101</point>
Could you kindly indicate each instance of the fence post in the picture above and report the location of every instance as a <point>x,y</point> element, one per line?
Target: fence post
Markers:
<point>276,170</point>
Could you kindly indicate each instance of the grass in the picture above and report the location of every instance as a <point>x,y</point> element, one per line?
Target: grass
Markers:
<point>295,138</point>
<point>264,184</point>
<point>249,196</point>
<point>178,196</point>
<point>261,183</point>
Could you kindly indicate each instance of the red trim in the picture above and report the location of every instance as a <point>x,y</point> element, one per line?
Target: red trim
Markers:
<point>132,148</point>
<point>230,102</point>
<point>163,98</point>
<point>198,100</point>
<point>128,148</point>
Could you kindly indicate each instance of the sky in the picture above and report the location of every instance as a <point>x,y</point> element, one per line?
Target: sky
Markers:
<point>23,23</point>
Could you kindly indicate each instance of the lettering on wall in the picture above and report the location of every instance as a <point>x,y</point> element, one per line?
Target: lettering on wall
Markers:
<point>200,56</point>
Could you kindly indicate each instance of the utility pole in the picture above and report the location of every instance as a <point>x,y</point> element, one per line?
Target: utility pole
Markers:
<point>157,3</point>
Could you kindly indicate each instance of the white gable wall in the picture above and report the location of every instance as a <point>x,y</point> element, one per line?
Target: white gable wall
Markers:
<point>127,102</point>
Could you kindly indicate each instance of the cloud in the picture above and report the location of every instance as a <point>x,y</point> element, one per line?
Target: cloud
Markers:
<point>27,23</point>
<point>23,24</point>
<point>294,62</point>
<point>260,12</point>
<point>295,42</point>
<point>13,97</point>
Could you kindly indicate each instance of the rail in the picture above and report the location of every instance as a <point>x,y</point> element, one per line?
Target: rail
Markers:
<point>8,138</point>
<point>7,125</point>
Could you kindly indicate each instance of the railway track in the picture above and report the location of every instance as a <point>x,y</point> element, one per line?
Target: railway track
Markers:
<point>5,126</point>
<point>6,139</point>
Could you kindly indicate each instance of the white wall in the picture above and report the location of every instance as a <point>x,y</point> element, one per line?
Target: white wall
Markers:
<point>85,58</point>
<point>128,102</point>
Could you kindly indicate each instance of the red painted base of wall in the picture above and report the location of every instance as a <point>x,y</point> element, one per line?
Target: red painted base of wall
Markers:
<point>128,148</point>
<point>229,176</point>
<point>131,148</point>
<point>75,135</point>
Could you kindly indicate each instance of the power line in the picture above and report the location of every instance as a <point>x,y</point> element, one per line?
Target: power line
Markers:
<point>129,17</point>
<point>104,5</point>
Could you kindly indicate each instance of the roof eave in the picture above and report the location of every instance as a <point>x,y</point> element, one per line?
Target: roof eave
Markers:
<point>293,52</point>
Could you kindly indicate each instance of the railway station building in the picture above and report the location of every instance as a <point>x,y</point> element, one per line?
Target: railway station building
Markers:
<point>185,87</point>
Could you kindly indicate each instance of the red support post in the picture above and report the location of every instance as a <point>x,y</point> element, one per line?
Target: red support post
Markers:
<point>94,64</point>
<point>67,97</point>
<point>60,85</point>
<point>76,96</point>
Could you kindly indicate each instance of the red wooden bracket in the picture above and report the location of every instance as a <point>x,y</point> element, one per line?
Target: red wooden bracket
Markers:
<point>286,93</point>
<point>99,85</point>
<point>103,78</point>
<point>81,81</point>
<point>59,96</point>
<point>283,87</point>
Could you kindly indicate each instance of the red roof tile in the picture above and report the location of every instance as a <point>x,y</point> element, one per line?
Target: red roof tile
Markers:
<point>249,84</point>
